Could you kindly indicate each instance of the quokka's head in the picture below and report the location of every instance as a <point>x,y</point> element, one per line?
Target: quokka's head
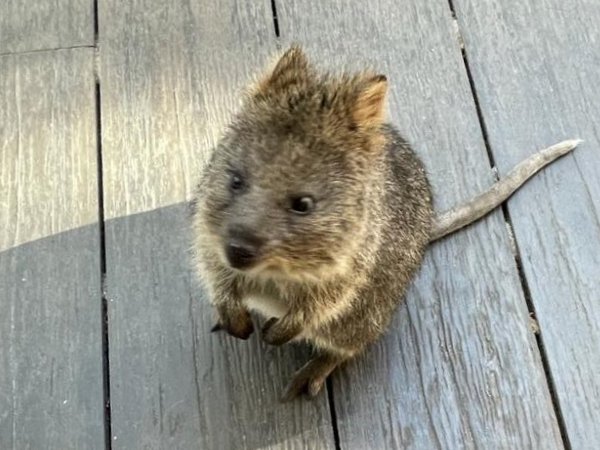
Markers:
<point>286,191</point>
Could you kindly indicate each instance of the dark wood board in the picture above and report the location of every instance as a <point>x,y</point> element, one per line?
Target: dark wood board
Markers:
<point>50,293</point>
<point>536,69</point>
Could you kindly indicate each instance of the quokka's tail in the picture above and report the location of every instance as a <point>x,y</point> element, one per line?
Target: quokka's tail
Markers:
<point>467,213</point>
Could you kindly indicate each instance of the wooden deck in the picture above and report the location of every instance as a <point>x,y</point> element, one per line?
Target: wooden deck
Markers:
<point>108,109</point>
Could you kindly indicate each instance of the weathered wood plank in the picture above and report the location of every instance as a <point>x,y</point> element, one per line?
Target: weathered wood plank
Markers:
<point>460,367</point>
<point>50,350</point>
<point>44,24</point>
<point>169,76</point>
<point>536,68</point>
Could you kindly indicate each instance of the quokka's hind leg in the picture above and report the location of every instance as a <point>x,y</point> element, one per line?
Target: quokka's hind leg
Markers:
<point>309,379</point>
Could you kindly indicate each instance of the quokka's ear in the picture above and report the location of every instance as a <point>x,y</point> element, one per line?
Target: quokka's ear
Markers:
<point>369,108</point>
<point>291,69</point>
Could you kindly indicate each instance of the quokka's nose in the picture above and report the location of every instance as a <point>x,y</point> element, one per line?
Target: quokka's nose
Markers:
<point>241,256</point>
<point>243,249</point>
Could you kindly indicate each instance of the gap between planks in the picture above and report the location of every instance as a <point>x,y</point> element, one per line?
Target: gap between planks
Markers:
<point>43,50</point>
<point>102,233</point>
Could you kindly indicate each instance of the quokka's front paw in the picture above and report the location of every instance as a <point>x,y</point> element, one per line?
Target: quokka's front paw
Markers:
<point>278,332</point>
<point>237,323</point>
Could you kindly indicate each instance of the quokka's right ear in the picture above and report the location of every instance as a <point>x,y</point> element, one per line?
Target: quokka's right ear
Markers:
<point>368,110</point>
<point>291,69</point>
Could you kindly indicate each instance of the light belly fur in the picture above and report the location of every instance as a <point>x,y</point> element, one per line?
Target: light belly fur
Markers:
<point>269,307</point>
<point>266,306</point>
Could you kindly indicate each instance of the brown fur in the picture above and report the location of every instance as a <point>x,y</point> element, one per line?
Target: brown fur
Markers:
<point>332,277</point>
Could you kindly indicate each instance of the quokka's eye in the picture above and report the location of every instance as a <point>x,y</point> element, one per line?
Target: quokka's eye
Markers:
<point>236,182</point>
<point>302,205</point>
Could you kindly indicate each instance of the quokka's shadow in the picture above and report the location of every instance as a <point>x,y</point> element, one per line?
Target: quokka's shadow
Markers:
<point>172,382</point>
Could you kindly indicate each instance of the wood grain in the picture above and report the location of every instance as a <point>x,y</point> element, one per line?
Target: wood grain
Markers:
<point>460,367</point>
<point>170,76</point>
<point>536,68</point>
<point>45,24</point>
<point>50,294</point>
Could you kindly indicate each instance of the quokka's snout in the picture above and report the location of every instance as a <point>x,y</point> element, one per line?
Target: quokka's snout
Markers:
<point>243,247</point>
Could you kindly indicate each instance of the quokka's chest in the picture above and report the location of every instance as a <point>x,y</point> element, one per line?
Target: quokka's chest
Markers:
<point>267,299</point>
<point>266,304</point>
